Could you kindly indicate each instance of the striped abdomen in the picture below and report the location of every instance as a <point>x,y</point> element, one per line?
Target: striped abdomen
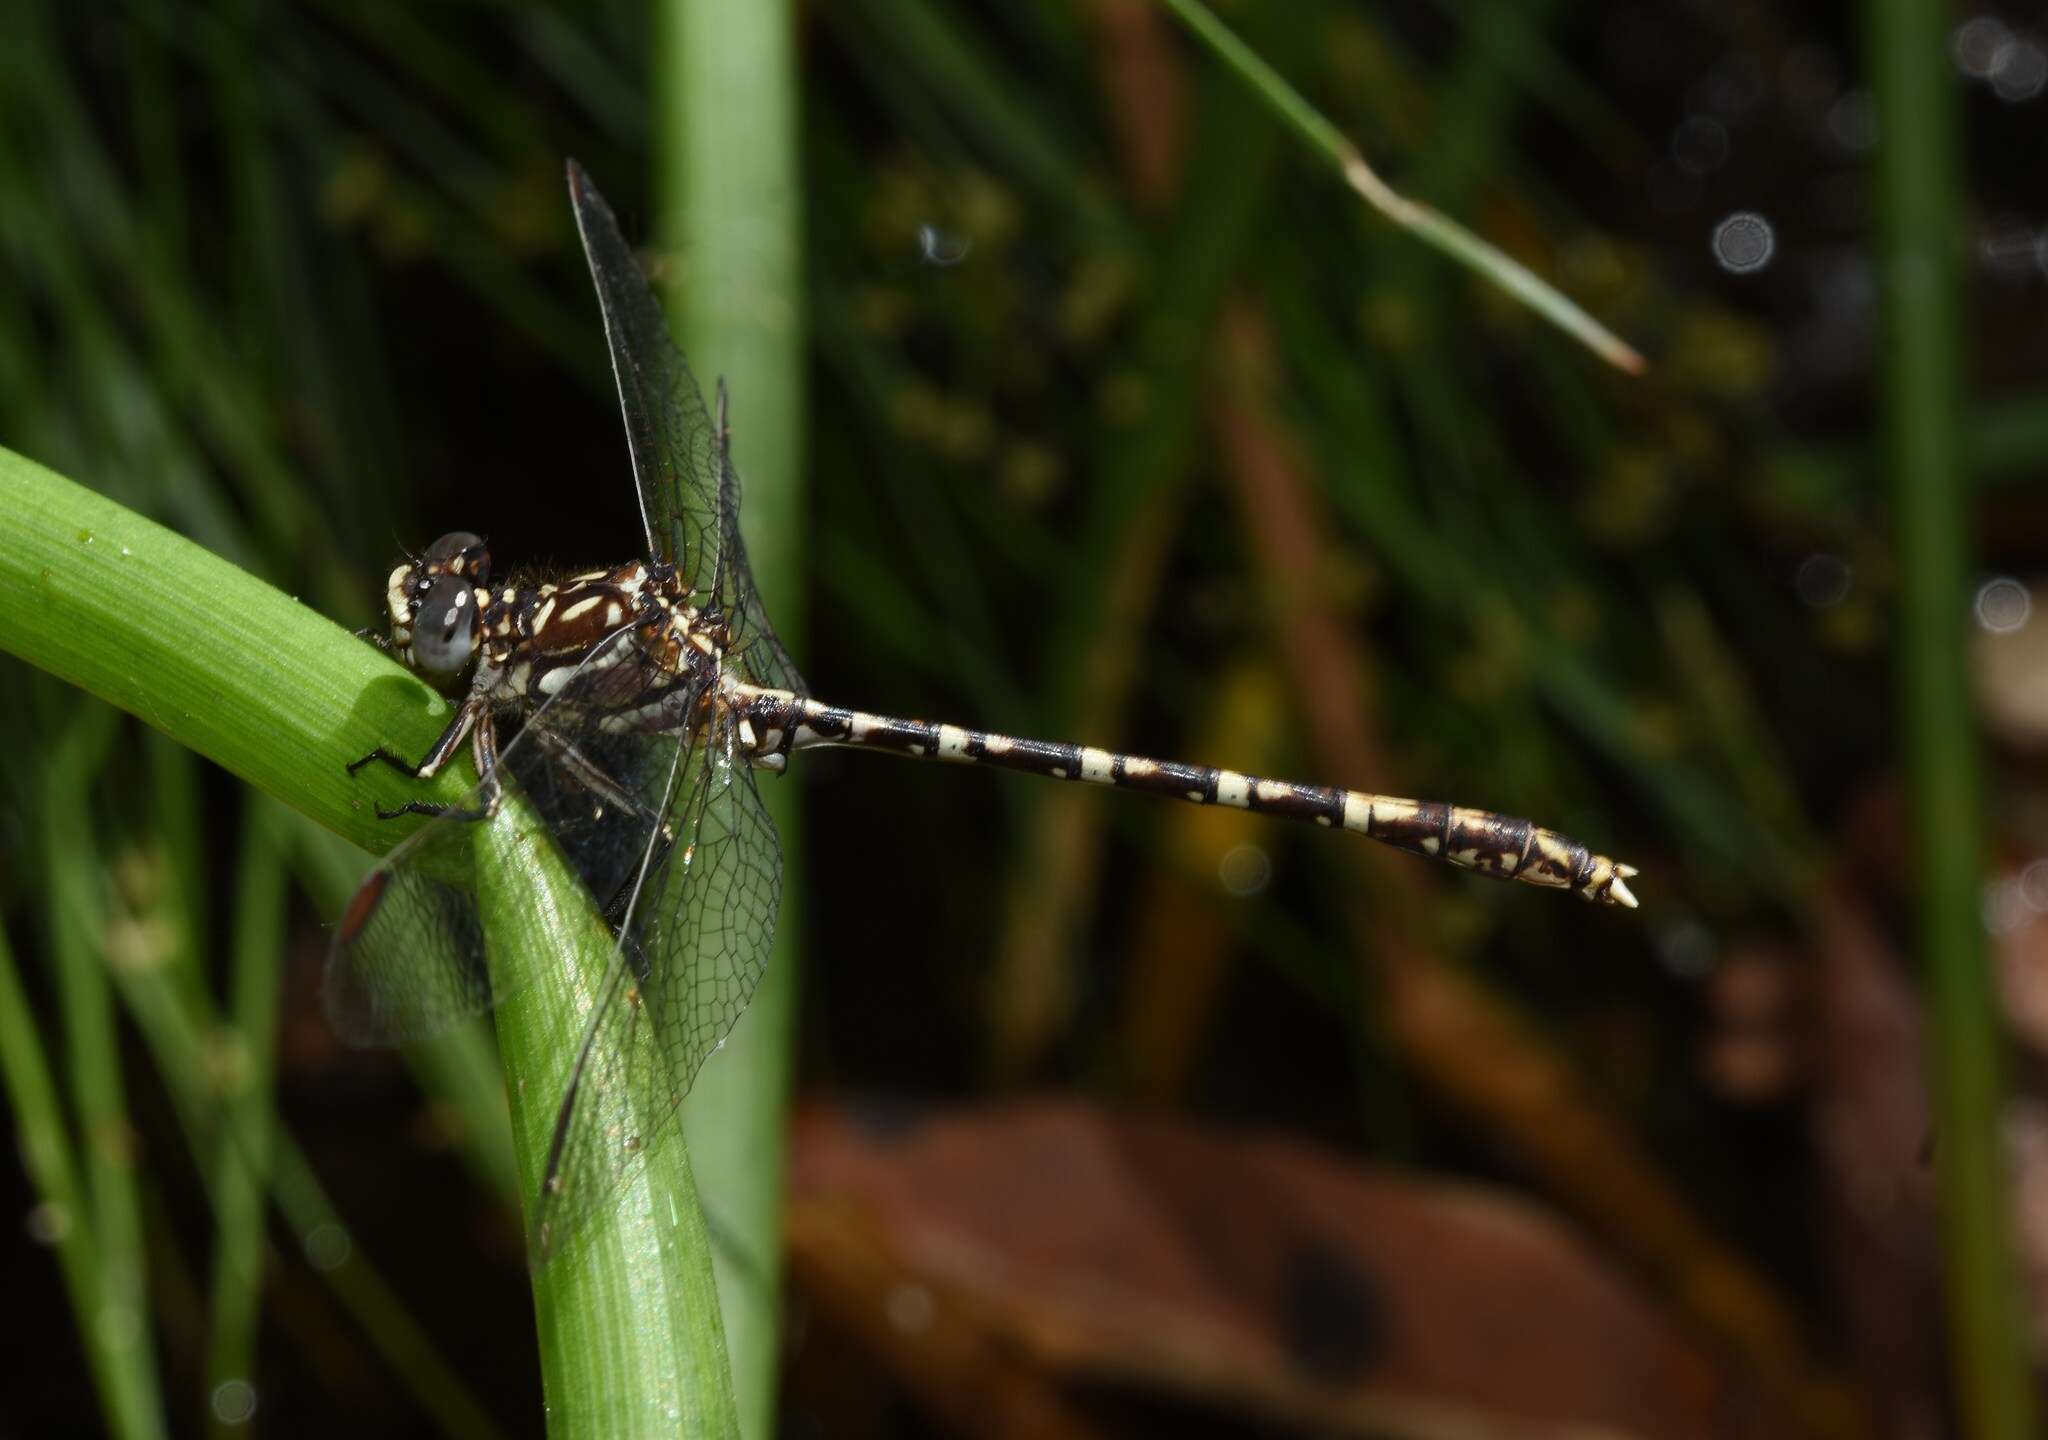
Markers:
<point>1481,840</point>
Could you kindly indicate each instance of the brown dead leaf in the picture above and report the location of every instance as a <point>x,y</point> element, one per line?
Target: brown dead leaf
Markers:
<point>1247,1270</point>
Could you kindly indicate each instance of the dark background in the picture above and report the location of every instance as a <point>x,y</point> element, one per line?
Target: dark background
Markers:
<point>1652,612</point>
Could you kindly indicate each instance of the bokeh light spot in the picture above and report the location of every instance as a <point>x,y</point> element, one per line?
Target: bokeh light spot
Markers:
<point>327,1246</point>
<point>234,1402</point>
<point>1744,242</point>
<point>1245,870</point>
<point>2003,605</point>
<point>1977,43</point>
<point>1822,580</point>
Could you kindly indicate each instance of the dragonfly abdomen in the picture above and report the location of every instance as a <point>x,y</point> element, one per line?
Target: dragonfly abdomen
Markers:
<point>1503,846</point>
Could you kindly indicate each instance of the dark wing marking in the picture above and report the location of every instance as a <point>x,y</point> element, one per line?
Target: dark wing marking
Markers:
<point>408,958</point>
<point>673,442</point>
<point>693,945</point>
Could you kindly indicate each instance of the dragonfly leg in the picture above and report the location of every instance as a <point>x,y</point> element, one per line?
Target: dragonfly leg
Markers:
<point>483,736</point>
<point>459,725</point>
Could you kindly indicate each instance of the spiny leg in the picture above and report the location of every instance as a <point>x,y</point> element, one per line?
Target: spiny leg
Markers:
<point>459,725</point>
<point>1492,844</point>
<point>474,719</point>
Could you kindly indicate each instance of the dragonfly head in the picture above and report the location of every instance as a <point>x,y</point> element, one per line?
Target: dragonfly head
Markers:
<point>435,620</point>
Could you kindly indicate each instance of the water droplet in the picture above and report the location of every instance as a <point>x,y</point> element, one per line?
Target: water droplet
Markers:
<point>2003,605</point>
<point>1245,870</point>
<point>234,1402</point>
<point>1744,242</point>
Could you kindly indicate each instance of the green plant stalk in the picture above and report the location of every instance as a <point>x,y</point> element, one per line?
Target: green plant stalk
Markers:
<point>630,1339</point>
<point>729,195</point>
<point>210,655</point>
<point>117,1321</point>
<point>47,1154</point>
<point>242,1164</point>
<point>1431,227</point>
<point>283,698</point>
<point>1919,239</point>
<point>175,1026</point>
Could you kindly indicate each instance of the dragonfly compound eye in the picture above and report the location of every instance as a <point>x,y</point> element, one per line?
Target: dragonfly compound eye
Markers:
<point>444,627</point>
<point>460,553</point>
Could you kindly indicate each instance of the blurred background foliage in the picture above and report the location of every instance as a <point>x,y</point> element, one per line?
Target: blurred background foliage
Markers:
<point>1128,424</point>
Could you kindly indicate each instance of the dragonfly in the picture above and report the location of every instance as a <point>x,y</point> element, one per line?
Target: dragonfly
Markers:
<point>630,708</point>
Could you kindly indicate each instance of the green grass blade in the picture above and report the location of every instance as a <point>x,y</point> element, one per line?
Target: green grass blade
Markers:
<point>729,187</point>
<point>242,1169</point>
<point>1920,247</point>
<point>118,1323</point>
<point>1426,224</point>
<point>52,1164</point>
<point>914,48</point>
<point>630,1335</point>
<point>283,698</point>
<point>207,653</point>
<point>178,1029</point>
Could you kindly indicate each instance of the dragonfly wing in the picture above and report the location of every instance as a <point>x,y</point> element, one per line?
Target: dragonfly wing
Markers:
<point>706,940</point>
<point>756,650</point>
<point>618,1096</point>
<point>674,444</point>
<point>694,943</point>
<point>408,958</point>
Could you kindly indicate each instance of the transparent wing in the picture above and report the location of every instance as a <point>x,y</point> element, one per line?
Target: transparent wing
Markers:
<point>693,946</point>
<point>408,959</point>
<point>682,466</point>
<point>756,651</point>
<point>675,446</point>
